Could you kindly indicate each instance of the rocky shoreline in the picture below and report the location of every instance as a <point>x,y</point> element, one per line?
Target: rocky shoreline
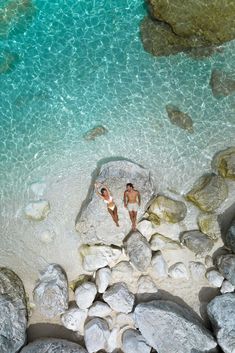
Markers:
<point>131,293</point>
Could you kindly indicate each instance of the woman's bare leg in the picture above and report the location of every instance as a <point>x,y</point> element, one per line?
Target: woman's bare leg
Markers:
<point>114,215</point>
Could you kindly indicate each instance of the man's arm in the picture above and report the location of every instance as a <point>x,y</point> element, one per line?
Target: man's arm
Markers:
<point>139,199</point>
<point>125,199</point>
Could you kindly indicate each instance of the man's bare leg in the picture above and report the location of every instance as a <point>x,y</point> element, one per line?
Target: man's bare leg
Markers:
<point>134,215</point>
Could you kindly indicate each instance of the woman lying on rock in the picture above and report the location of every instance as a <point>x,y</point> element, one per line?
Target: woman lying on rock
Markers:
<point>106,196</point>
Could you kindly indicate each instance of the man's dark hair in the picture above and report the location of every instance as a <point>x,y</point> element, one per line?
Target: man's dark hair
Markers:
<point>102,191</point>
<point>130,184</point>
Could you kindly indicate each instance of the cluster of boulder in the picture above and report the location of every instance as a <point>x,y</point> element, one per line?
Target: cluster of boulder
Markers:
<point>116,305</point>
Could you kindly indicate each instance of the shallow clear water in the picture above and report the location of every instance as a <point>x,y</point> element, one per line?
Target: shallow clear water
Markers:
<point>78,64</point>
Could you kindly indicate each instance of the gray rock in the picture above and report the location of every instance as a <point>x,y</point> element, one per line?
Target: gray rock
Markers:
<point>167,209</point>
<point>51,291</point>
<point>96,335</point>
<point>222,83</point>
<point>94,224</point>
<point>208,192</point>
<point>99,309</point>
<point>53,345</point>
<point>119,298</point>
<point>134,342</point>
<point>177,117</point>
<point>197,270</point>
<point>221,311</point>
<point>178,271</point>
<point>138,250</point>
<point>214,278</point>
<point>209,225</point>
<point>13,312</point>
<point>230,237</point>
<point>160,242</point>
<point>197,242</point>
<point>146,285</point>
<point>158,320</point>
<point>226,266</point>
<point>159,265</point>
<point>223,163</point>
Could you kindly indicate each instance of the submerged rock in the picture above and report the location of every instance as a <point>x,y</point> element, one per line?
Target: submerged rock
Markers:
<point>179,118</point>
<point>138,250</point>
<point>52,345</point>
<point>119,298</point>
<point>209,225</point>
<point>222,83</point>
<point>94,223</point>
<point>208,192</point>
<point>13,312</point>
<point>158,320</point>
<point>97,131</point>
<point>182,25</point>
<point>223,163</point>
<point>197,242</point>
<point>221,311</point>
<point>97,256</point>
<point>37,210</point>
<point>226,266</point>
<point>51,291</point>
<point>7,61</point>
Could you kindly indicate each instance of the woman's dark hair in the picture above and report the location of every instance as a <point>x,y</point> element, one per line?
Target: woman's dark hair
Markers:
<point>130,184</point>
<point>102,191</point>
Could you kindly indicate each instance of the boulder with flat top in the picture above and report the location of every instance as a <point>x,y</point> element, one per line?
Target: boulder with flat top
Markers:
<point>94,224</point>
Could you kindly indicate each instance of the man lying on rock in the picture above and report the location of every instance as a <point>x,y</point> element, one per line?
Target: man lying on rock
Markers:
<point>132,203</point>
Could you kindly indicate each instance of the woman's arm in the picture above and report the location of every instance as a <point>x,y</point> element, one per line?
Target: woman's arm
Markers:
<point>96,191</point>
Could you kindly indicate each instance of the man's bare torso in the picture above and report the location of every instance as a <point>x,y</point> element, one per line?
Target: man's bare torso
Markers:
<point>132,196</point>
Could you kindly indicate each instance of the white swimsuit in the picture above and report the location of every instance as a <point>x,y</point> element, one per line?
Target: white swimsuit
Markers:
<point>109,201</point>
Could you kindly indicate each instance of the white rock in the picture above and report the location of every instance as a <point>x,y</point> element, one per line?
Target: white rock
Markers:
<point>178,271</point>
<point>52,345</point>
<point>125,320</point>
<point>122,272</point>
<point>119,298</point>
<point>146,285</point>
<point>102,279</point>
<point>159,265</point>
<point>98,256</point>
<point>215,278</point>
<point>96,335</point>
<point>74,319</point>
<point>47,236</point>
<point>134,342</point>
<point>51,291</point>
<point>159,242</point>
<point>146,228</point>
<point>38,188</point>
<point>227,287</point>
<point>99,309</point>
<point>37,210</point>
<point>85,295</point>
<point>208,261</point>
<point>197,270</point>
<point>113,339</point>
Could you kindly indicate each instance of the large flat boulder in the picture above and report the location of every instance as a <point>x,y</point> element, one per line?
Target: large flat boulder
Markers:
<point>169,327</point>
<point>51,291</point>
<point>13,312</point>
<point>52,345</point>
<point>183,25</point>
<point>94,224</point>
<point>221,311</point>
<point>138,250</point>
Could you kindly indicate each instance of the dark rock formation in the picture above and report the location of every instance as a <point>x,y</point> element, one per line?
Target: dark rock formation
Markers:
<point>183,25</point>
<point>179,118</point>
<point>222,83</point>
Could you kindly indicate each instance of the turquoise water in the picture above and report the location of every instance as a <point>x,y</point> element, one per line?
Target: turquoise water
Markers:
<point>72,65</point>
